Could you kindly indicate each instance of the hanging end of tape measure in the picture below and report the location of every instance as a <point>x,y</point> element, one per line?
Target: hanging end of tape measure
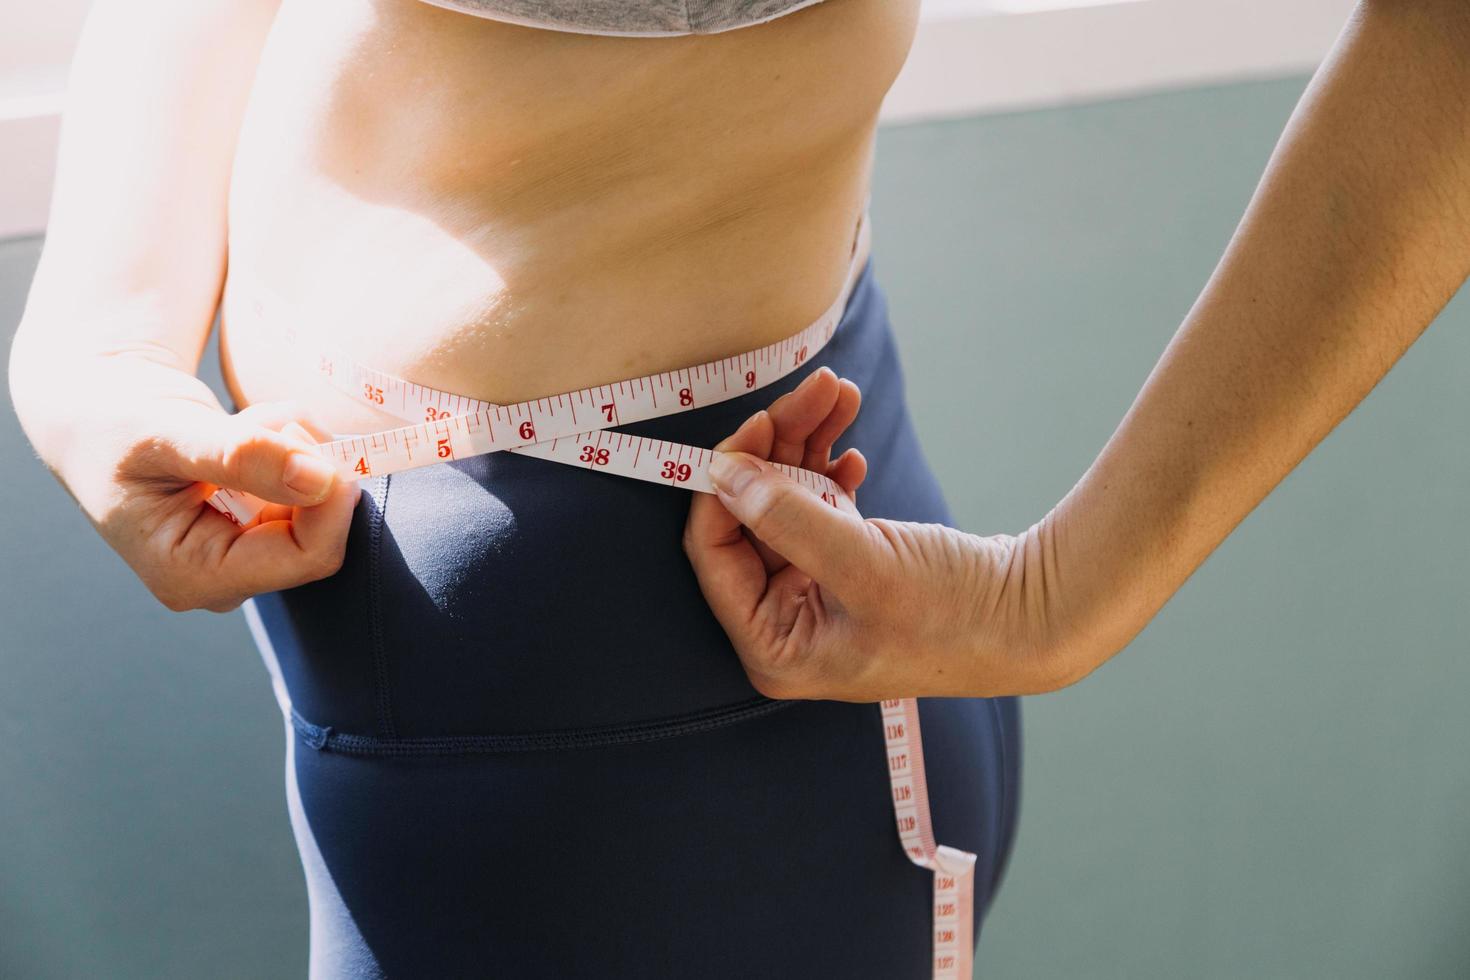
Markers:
<point>954,910</point>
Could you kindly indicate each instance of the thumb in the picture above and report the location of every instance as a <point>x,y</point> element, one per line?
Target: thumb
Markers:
<point>831,546</point>
<point>237,452</point>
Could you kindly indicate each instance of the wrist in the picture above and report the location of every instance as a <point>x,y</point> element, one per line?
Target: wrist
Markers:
<point>1037,629</point>
<point>1107,577</point>
<point>79,410</point>
<point>1007,626</point>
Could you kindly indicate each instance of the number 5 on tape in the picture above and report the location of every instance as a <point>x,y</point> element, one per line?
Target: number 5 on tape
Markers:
<point>451,442</point>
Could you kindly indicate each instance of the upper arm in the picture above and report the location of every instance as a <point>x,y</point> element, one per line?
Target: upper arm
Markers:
<point>136,236</point>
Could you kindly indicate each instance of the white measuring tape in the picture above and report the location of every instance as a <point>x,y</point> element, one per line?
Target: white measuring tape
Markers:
<point>571,428</point>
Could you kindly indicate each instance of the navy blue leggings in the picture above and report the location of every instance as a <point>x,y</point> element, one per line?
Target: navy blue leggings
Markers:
<point>519,744</point>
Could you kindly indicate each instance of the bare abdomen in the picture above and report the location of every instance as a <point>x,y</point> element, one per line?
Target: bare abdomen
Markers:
<point>508,212</point>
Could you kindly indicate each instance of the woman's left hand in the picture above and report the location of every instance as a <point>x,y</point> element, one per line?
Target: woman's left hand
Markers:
<point>820,603</point>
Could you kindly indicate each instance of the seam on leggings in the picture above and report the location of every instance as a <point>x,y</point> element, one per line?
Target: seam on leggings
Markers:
<point>382,695</point>
<point>330,740</point>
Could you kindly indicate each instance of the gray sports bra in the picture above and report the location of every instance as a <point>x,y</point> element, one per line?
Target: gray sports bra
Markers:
<point>633,18</point>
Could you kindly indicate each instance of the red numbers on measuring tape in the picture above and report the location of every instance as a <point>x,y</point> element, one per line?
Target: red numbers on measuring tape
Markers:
<point>750,379</point>
<point>445,451</point>
<point>324,365</point>
<point>431,415</point>
<point>597,457</point>
<point>678,473</point>
<point>527,430</point>
<point>608,410</point>
<point>372,394</point>
<point>362,466</point>
<point>828,498</point>
<point>686,397</point>
<point>800,355</point>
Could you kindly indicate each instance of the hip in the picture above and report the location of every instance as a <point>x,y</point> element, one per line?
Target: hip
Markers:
<point>764,848</point>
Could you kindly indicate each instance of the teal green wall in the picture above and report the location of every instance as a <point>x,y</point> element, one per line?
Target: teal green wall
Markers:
<point>1273,780</point>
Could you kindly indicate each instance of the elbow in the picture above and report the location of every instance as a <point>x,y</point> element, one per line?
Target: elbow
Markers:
<point>34,379</point>
<point>27,363</point>
<point>19,369</point>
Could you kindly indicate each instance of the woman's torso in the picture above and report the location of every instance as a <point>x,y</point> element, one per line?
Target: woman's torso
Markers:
<point>513,683</point>
<point>506,212</point>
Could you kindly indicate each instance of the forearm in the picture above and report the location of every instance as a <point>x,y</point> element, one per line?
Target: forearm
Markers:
<point>1357,236</point>
<point>134,258</point>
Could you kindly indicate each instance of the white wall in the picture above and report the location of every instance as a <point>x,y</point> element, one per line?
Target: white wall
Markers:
<point>36,41</point>
<point>35,45</point>
<point>970,57</point>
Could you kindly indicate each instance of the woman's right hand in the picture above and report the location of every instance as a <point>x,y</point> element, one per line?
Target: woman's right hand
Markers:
<point>144,469</point>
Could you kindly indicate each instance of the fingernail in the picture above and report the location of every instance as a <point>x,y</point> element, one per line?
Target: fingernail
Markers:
<point>308,474</point>
<point>732,473</point>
